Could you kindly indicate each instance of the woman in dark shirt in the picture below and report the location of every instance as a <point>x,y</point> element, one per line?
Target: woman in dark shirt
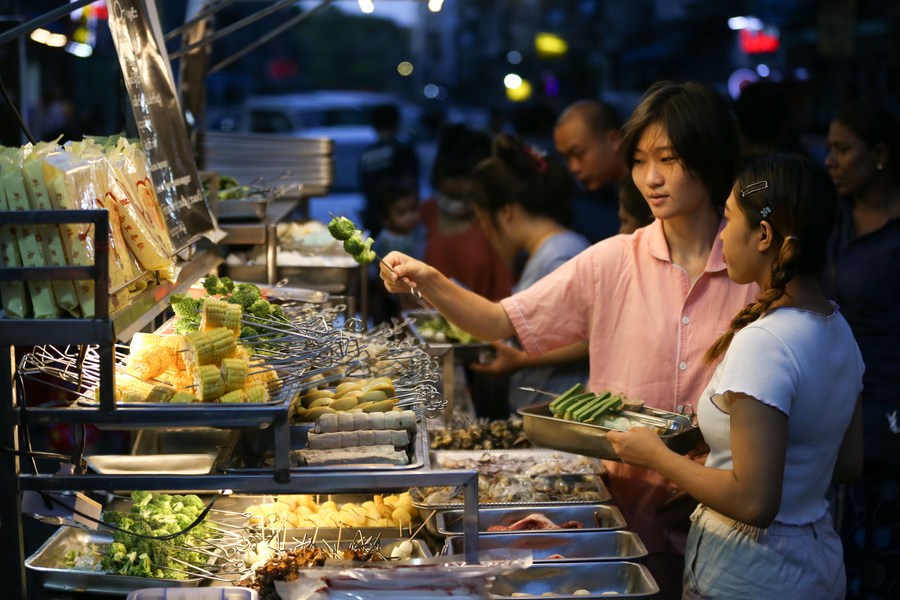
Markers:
<point>863,276</point>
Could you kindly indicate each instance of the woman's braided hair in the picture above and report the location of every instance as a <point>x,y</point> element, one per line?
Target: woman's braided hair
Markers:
<point>795,196</point>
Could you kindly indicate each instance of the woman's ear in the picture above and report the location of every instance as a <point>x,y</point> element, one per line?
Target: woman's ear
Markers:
<point>766,234</point>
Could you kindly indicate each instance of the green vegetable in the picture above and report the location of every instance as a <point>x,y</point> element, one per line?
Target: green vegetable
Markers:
<point>341,228</point>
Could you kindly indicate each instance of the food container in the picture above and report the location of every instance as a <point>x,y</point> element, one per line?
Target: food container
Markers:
<point>543,429</point>
<point>252,452</point>
<point>206,593</point>
<point>465,353</point>
<point>49,566</point>
<point>594,517</point>
<point>502,490</point>
<point>537,461</point>
<point>244,209</point>
<point>569,545</point>
<point>601,579</point>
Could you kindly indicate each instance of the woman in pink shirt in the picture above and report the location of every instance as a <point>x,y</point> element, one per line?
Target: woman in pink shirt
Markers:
<point>648,304</point>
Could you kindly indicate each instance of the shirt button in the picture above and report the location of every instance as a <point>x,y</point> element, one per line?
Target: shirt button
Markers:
<point>682,366</point>
<point>685,320</point>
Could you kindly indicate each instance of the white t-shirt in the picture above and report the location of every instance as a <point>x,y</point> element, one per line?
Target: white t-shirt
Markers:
<point>806,365</point>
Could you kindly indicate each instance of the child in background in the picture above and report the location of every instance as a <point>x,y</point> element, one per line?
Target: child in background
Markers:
<point>401,230</point>
<point>634,212</point>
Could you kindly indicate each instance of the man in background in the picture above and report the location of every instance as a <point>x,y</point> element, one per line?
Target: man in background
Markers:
<point>388,159</point>
<point>588,136</point>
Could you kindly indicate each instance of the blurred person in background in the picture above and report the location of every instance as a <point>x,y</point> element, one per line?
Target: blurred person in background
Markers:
<point>456,243</point>
<point>863,277</point>
<point>522,198</point>
<point>389,158</point>
<point>647,304</point>
<point>402,230</point>
<point>588,137</point>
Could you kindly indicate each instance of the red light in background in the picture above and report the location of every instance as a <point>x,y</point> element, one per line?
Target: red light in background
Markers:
<point>757,42</point>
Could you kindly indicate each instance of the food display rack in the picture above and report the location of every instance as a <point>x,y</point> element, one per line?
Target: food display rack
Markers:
<point>104,330</point>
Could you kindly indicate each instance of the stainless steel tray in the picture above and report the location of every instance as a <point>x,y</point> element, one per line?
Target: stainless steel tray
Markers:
<point>573,545</point>
<point>603,579</point>
<point>543,429</point>
<point>48,564</point>
<point>594,517</point>
<point>463,352</point>
<point>250,453</point>
<point>565,489</point>
<point>247,209</point>
<point>530,461</point>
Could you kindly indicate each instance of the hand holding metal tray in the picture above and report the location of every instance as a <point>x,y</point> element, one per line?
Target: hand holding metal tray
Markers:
<point>543,429</point>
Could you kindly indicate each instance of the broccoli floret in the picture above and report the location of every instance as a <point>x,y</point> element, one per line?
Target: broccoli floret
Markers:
<point>261,309</point>
<point>341,228</point>
<point>248,332</point>
<point>192,501</point>
<point>245,294</point>
<point>141,498</point>
<point>354,244</point>
<point>211,285</point>
<point>366,255</point>
<point>226,284</point>
<point>185,306</point>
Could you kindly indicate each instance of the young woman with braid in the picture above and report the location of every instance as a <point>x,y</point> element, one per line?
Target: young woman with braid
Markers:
<point>646,304</point>
<point>781,413</point>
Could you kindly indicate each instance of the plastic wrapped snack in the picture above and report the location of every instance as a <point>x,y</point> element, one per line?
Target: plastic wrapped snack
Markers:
<point>104,182</point>
<point>28,237</point>
<point>15,300</point>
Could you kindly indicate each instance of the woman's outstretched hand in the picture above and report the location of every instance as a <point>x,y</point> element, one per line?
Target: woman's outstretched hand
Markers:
<point>639,446</point>
<point>401,272</point>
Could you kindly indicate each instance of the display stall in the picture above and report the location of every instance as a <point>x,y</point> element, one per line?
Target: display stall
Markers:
<point>323,460</point>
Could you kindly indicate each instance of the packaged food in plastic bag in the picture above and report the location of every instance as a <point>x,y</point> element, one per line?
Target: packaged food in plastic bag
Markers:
<point>16,302</point>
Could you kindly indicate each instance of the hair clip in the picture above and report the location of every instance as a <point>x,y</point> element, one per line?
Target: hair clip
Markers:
<point>765,211</point>
<point>754,187</point>
<point>537,158</point>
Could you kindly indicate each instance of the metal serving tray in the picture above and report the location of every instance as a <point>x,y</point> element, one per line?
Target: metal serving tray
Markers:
<point>251,453</point>
<point>462,352</point>
<point>603,579</point>
<point>48,564</point>
<point>247,209</point>
<point>558,483</point>
<point>531,461</point>
<point>573,545</point>
<point>543,429</point>
<point>594,517</point>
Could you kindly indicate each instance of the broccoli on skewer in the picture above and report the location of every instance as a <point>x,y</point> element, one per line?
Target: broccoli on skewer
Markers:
<point>342,228</point>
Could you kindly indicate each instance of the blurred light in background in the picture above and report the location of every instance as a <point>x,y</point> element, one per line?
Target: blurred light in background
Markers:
<point>42,36</point>
<point>512,81</point>
<point>80,50</point>
<point>517,89</point>
<point>431,91</point>
<point>763,70</point>
<point>514,57</point>
<point>405,68</point>
<point>550,45</point>
<point>367,6</point>
<point>435,5</point>
<point>741,23</point>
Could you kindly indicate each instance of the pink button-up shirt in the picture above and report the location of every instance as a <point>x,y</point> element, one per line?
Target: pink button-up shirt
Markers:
<point>646,325</point>
<point>648,329</point>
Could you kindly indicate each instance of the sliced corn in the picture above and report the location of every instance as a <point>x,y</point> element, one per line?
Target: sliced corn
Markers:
<point>183,398</point>
<point>257,394</point>
<point>234,373</point>
<point>233,396</point>
<point>209,383</point>
<point>149,362</point>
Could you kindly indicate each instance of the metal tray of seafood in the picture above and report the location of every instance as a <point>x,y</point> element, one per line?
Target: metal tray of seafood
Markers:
<point>594,517</point>
<point>574,545</point>
<point>545,489</point>
<point>543,429</point>
<point>251,452</point>
<point>48,564</point>
<point>622,579</point>
<point>526,461</point>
